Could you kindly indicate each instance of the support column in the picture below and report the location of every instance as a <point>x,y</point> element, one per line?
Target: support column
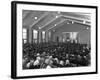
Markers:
<point>40,36</point>
<point>51,38</point>
<point>30,35</point>
<point>33,36</point>
<point>47,36</point>
<point>27,35</point>
<point>78,37</point>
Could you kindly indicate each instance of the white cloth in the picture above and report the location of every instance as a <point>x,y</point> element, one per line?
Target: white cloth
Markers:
<point>61,62</point>
<point>28,65</point>
<point>67,61</point>
<point>38,58</point>
<point>38,54</point>
<point>47,61</point>
<point>56,59</point>
<point>36,62</point>
<point>48,67</point>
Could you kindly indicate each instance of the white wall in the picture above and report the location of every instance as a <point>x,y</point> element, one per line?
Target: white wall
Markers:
<point>5,40</point>
<point>84,34</point>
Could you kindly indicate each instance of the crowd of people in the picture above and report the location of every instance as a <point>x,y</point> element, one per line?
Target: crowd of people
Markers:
<point>55,55</point>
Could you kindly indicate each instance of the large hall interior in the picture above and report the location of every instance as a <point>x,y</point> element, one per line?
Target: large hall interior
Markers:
<point>55,39</point>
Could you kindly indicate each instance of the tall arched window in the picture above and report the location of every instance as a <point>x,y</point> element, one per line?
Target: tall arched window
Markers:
<point>35,35</point>
<point>73,36</point>
<point>24,35</point>
<point>43,36</point>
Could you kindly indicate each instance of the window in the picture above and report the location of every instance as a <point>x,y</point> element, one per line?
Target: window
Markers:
<point>49,36</point>
<point>43,36</point>
<point>35,32</point>
<point>35,35</point>
<point>25,41</point>
<point>25,35</point>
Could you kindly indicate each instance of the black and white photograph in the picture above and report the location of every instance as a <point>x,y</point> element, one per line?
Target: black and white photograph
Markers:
<point>54,40</point>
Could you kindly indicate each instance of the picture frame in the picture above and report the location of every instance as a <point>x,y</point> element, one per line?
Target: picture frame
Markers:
<point>17,8</point>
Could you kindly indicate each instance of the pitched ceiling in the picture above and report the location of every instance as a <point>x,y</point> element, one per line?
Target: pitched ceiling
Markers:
<point>47,20</point>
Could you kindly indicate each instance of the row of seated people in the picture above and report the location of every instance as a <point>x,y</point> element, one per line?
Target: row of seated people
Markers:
<point>55,55</point>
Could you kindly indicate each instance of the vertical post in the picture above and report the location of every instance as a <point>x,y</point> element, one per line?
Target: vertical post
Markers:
<point>46,36</point>
<point>27,35</point>
<point>79,37</point>
<point>30,35</point>
<point>51,38</point>
<point>61,38</point>
<point>40,36</point>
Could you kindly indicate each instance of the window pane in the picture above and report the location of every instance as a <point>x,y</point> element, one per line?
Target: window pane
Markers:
<point>35,32</point>
<point>43,35</point>
<point>75,35</point>
<point>24,35</point>
<point>25,41</point>
<point>24,30</point>
<point>49,35</point>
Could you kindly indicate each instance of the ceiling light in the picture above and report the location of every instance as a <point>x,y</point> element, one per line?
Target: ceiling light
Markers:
<point>55,25</point>
<point>39,27</point>
<point>83,22</point>
<point>72,22</point>
<point>87,28</point>
<point>35,18</point>
<point>56,16</point>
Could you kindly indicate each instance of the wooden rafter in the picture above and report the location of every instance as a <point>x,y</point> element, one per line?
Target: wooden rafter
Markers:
<point>76,18</point>
<point>26,15</point>
<point>45,14</point>
<point>50,21</point>
<point>57,24</point>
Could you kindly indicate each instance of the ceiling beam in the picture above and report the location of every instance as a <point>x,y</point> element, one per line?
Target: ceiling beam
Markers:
<point>76,18</point>
<point>45,14</point>
<point>27,14</point>
<point>66,20</point>
<point>50,21</point>
<point>57,24</point>
<point>79,22</point>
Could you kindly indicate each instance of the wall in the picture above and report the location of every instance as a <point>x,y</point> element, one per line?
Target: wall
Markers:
<point>84,34</point>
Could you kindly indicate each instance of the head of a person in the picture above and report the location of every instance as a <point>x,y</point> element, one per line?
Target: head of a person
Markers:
<point>67,61</point>
<point>50,57</point>
<point>28,65</point>
<point>38,58</point>
<point>32,61</point>
<point>61,62</point>
<point>36,62</point>
<point>48,67</point>
<point>47,61</point>
<point>50,62</point>
<point>38,54</point>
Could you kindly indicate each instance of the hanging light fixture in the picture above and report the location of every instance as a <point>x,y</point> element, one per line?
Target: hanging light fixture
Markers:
<point>35,18</point>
